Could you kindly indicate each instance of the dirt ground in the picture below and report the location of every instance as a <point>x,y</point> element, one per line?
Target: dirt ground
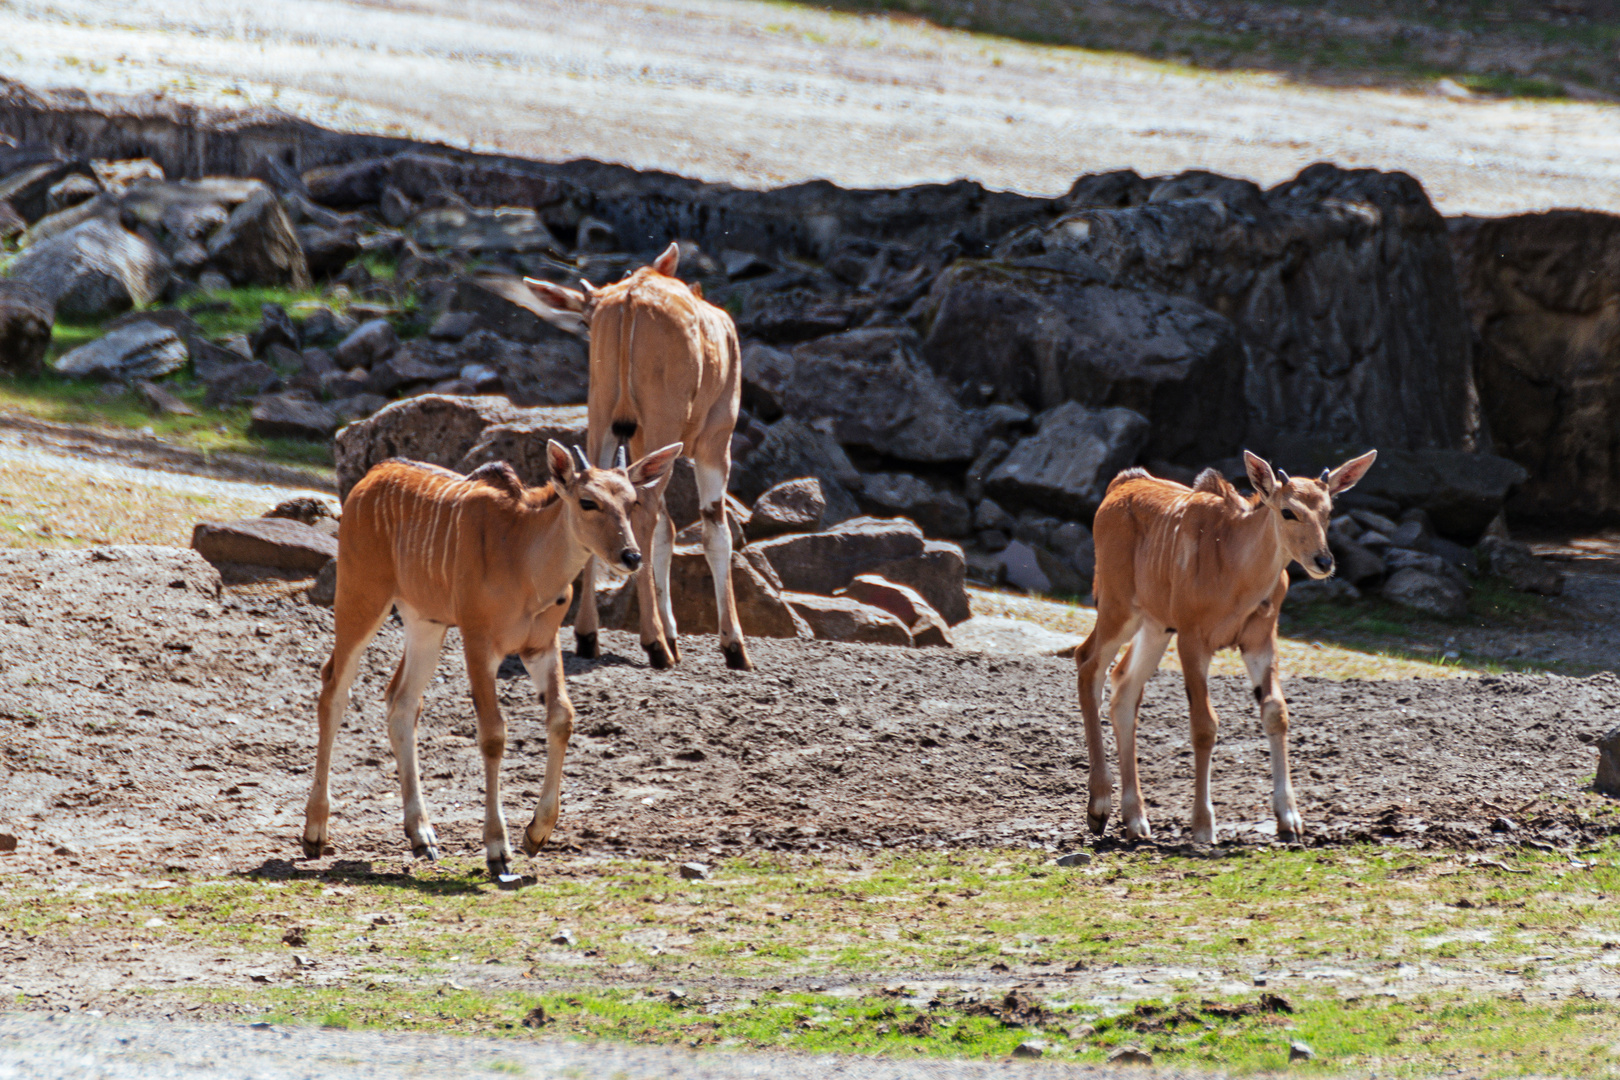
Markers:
<point>149,720</point>
<point>767,93</point>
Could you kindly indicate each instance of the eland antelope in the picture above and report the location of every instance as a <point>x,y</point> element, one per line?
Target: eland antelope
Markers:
<point>1209,566</point>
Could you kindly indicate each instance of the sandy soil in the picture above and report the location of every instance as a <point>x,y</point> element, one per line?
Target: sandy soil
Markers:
<point>763,94</point>
<point>148,719</point>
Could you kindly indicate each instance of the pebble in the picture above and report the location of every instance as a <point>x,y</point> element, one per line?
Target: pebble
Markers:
<point>695,871</point>
<point>1075,858</point>
<point>1299,1051</point>
<point>1029,1048</point>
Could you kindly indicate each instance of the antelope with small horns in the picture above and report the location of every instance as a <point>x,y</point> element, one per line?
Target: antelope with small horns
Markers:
<point>483,553</point>
<point>1209,566</point>
<point>665,367</point>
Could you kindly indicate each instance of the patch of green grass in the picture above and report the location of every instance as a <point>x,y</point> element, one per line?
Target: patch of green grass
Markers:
<point>1506,85</point>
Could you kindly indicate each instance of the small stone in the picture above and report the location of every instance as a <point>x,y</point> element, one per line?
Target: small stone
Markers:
<point>8,843</point>
<point>695,871</point>
<point>161,401</point>
<point>1130,1055</point>
<point>1030,1048</point>
<point>1503,825</point>
<point>536,1017</point>
<point>324,592</point>
<point>1299,1051</point>
<point>1075,858</point>
<point>295,937</point>
<point>65,849</point>
<point>563,937</point>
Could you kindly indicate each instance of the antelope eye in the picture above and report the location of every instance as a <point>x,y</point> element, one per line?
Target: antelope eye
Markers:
<point>587,504</point>
<point>1289,515</point>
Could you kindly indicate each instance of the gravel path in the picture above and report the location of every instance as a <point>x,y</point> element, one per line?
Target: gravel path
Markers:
<point>83,1048</point>
<point>770,93</point>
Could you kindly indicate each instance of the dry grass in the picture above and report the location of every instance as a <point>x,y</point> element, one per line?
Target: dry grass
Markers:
<point>44,507</point>
<point>1297,657</point>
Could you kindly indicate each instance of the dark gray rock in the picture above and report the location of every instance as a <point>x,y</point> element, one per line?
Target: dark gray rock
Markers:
<point>1608,765</point>
<point>874,391</point>
<point>841,618</point>
<point>791,450</point>
<point>27,178</point>
<point>70,191</point>
<point>502,305</point>
<point>323,326</point>
<point>141,350</point>
<point>940,512</point>
<point>1428,593</point>
<point>1021,568</point>
<point>93,270</point>
<point>288,416</point>
<point>824,562</point>
<point>324,591</point>
<point>481,234</point>
<point>789,507</point>
<point>327,251</point>
<point>1043,337</point>
<point>1398,558</point>
<point>356,406</point>
<point>1355,563</point>
<point>1068,463</point>
<point>258,246</point>
<point>277,542</point>
<point>1543,294</point>
<point>989,515</point>
<point>370,343</point>
<point>927,626</point>
<point>1514,563</point>
<point>938,573</point>
<point>230,384</point>
<point>1339,282</point>
<point>275,327</point>
<point>26,317</point>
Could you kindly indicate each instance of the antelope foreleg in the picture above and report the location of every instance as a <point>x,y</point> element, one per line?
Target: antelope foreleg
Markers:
<point>546,672</point>
<point>1262,667</point>
<point>1092,659</point>
<point>1201,715</point>
<point>357,623</point>
<point>482,662</point>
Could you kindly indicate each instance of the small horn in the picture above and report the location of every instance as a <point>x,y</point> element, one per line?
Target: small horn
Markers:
<point>621,457</point>
<point>580,464</point>
<point>1282,477</point>
<point>1325,478</point>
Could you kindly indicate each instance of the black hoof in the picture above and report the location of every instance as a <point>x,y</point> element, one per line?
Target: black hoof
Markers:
<point>585,646</point>
<point>1098,825</point>
<point>498,869</point>
<point>656,656</point>
<point>312,848</point>
<point>426,851</point>
<point>737,657</point>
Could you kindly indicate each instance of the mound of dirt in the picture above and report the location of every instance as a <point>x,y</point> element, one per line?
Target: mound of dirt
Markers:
<point>150,718</point>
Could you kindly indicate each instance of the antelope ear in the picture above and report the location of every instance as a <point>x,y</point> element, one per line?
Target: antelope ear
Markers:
<point>697,289</point>
<point>655,466</point>
<point>1349,474</point>
<point>665,264</point>
<point>555,296</point>
<point>561,463</point>
<point>1261,478</point>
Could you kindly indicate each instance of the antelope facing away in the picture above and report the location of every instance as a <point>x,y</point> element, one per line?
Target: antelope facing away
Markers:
<point>483,553</point>
<point>665,367</point>
<point>1209,565</point>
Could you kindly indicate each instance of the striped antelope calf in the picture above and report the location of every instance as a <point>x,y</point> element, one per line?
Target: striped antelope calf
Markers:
<point>1209,565</point>
<point>483,553</point>
<point>665,367</point>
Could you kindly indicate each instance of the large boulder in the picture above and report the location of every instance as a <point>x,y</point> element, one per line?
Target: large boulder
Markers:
<point>141,350</point>
<point>26,316</point>
<point>1068,463</point>
<point>258,246</point>
<point>27,176</point>
<point>824,562</point>
<point>871,389</point>
<point>1339,282</point>
<point>482,234</point>
<point>840,618</point>
<point>1543,294</point>
<point>93,270</point>
<point>938,573</point>
<point>927,626</point>
<point>276,542</point>
<point>940,512</point>
<point>1429,593</point>
<point>458,433</point>
<point>790,450</point>
<point>290,416</point>
<point>1044,336</point>
<point>793,506</point>
<point>1514,563</point>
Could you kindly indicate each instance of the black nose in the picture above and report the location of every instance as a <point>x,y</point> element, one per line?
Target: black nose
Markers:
<point>1324,563</point>
<point>631,558</point>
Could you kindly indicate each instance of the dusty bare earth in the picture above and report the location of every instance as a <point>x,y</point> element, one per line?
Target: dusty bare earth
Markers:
<point>147,719</point>
<point>763,93</point>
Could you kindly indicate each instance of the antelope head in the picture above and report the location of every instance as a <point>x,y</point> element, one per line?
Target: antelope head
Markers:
<point>1301,509</point>
<point>598,502</point>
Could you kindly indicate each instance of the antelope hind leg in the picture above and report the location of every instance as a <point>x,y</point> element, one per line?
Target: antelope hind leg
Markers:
<point>546,672</point>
